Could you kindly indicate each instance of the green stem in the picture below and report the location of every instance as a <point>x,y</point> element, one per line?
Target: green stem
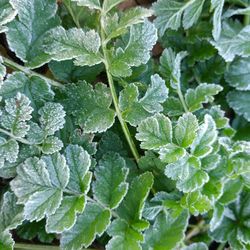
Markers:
<point>115,98</point>
<point>181,98</point>
<point>246,20</point>
<point>21,246</point>
<point>27,71</point>
<point>222,246</point>
<point>196,230</point>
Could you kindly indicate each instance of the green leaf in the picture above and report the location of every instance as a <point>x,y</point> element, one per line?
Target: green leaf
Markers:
<point>39,184</point>
<point>92,4</point>
<point>7,14</point>
<point>79,162</point>
<point>132,205</point>
<point>92,222</point>
<point>110,4</point>
<point>123,236</point>
<point>154,132</point>
<point>218,215</point>
<point>217,6</point>
<point>206,136</point>
<point>171,153</point>
<point>173,107</point>
<point>91,107</point>
<point>238,73</point>
<point>142,38</point>
<point>169,14</point>
<point>74,43</point>
<point>6,241</point>
<point>239,101</point>
<point>234,40</point>
<point>196,246</point>
<point>35,88</point>
<point>16,114</point>
<point>166,232</point>
<point>2,71</point>
<point>135,110</point>
<point>186,130</point>
<point>65,216</point>
<point>201,94</point>
<point>8,151</point>
<point>110,175</point>
<point>51,145</point>
<point>170,66</point>
<point>30,29</point>
<point>51,117</point>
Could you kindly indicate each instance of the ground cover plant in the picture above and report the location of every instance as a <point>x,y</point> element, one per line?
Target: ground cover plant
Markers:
<point>125,125</point>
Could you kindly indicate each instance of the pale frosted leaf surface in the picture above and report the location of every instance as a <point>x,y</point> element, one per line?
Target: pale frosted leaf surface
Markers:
<point>110,4</point>
<point>91,107</point>
<point>7,14</point>
<point>2,72</point>
<point>171,153</point>
<point>92,222</point>
<point>217,6</point>
<point>6,241</point>
<point>110,180</point>
<point>154,132</point>
<point>142,38</point>
<point>74,43</point>
<point>92,4</point>
<point>8,150</point>
<point>51,145</point>
<point>196,246</point>
<point>30,28</point>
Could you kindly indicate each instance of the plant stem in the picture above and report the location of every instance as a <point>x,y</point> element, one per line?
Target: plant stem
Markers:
<point>21,246</point>
<point>221,246</point>
<point>115,98</point>
<point>246,20</point>
<point>196,230</point>
<point>29,72</point>
<point>181,98</point>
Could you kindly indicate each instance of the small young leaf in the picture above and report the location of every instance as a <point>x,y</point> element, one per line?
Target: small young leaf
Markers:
<point>154,132</point>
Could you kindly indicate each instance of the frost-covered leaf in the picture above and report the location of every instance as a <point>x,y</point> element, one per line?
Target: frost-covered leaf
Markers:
<point>35,88</point>
<point>239,101</point>
<point>2,72</point>
<point>217,7</point>
<point>201,94</point>
<point>51,145</point>
<point>110,4</point>
<point>39,185</point>
<point>196,246</point>
<point>142,38</point>
<point>51,117</point>
<point>6,241</point>
<point>92,222</point>
<point>169,14</point>
<point>135,110</point>
<point>16,114</point>
<point>8,150</point>
<point>65,216</point>
<point>30,29</point>
<point>234,40</point>
<point>171,153</point>
<point>79,162</point>
<point>91,107</point>
<point>166,232</point>
<point>170,66</point>
<point>154,132</point>
<point>7,14</point>
<point>206,136</point>
<point>74,43</point>
<point>110,180</point>
<point>186,130</point>
<point>132,205</point>
<point>238,73</point>
<point>92,4</point>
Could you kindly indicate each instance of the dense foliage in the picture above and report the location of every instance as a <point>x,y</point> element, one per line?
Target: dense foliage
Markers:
<point>104,144</point>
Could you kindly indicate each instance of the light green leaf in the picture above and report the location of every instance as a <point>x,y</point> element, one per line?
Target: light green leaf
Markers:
<point>136,110</point>
<point>51,117</point>
<point>169,14</point>
<point>238,73</point>
<point>16,114</point>
<point>201,94</point>
<point>6,241</point>
<point>110,187</point>
<point>79,162</point>
<point>91,107</point>
<point>35,88</point>
<point>218,215</point>
<point>7,14</point>
<point>8,150</point>
<point>166,232</point>
<point>154,132</point>
<point>51,145</point>
<point>206,136</point>
<point>170,66</point>
<point>65,216</point>
<point>234,40</point>
<point>132,205</point>
<point>39,185</point>
<point>142,38</point>
<point>173,107</point>
<point>239,101</point>
<point>30,29</point>
<point>171,153</point>
<point>196,203</point>
<point>92,222</point>
<point>110,4</point>
<point>238,11</point>
<point>123,236</point>
<point>74,43</point>
<point>92,4</point>
<point>185,130</point>
<point>217,7</point>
